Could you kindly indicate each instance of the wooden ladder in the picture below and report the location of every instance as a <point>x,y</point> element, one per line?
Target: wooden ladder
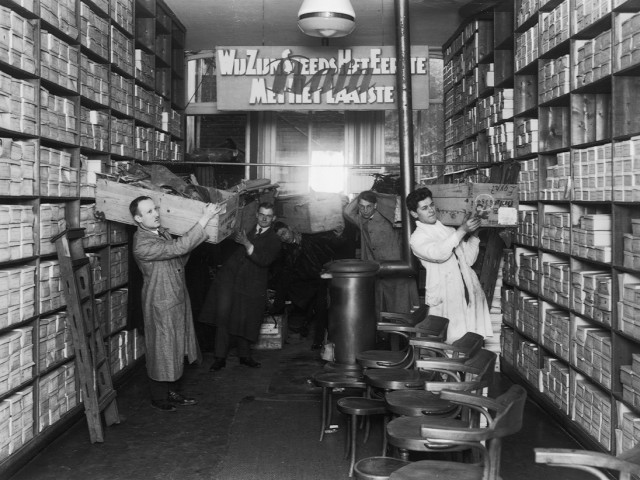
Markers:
<point>92,363</point>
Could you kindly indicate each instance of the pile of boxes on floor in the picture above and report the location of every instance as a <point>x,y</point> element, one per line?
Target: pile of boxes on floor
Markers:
<point>273,331</point>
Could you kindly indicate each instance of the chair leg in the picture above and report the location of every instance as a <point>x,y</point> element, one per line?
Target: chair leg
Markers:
<point>354,434</point>
<point>384,435</point>
<point>367,428</point>
<point>330,407</point>
<point>347,441</point>
<point>324,412</point>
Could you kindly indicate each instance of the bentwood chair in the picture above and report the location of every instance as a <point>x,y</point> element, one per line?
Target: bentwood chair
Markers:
<point>416,407</point>
<point>475,374</point>
<point>329,381</point>
<point>625,465</point>
<point>355,407</point>
<point>504,417</point>
<point>463,348</point>
<point>403,327</point>
<point>393,376</point>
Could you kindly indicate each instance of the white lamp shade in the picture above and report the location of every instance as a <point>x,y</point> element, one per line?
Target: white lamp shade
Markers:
<point>326,18</point>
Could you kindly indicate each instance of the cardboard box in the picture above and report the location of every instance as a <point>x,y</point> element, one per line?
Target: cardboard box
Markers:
<point>273,332</point>
<point>177,214</point>
<point>316,212</point>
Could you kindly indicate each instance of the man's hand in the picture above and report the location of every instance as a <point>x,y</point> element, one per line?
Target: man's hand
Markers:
<point>241,237</point>
<point>212,209</point>
<point>209,211</point>
<point>469,223</point>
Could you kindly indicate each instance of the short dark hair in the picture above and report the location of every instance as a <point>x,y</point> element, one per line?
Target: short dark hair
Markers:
<point>133,206</point>
<point>415,197</point>
<point>267,206</point>
<point>277,225</point>
<point>368,196</point>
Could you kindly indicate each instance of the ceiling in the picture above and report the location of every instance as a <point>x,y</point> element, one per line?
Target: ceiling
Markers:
<point>212,23</point>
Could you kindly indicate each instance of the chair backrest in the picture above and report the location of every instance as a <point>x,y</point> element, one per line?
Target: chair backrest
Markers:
<point>410,319</point>
<point>470,343</point>
<point>481,367</point>
<point>433,327</point>
<point>597,464</point>
<point>509,420</point>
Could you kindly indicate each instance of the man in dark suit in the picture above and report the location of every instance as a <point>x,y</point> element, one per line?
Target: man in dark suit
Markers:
<point>298,277</point>
<point>240,288</point>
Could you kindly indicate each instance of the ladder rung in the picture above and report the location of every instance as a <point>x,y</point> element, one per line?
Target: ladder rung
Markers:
<point>80,262</point>
<point>71,233</point>
<point>106,399</point>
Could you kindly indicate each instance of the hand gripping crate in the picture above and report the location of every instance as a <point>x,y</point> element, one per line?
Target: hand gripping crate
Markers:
<point>177,214</point>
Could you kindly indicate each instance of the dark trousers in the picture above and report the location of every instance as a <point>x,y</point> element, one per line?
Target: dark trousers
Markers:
<point>160,390</point>
<point>224,341</point>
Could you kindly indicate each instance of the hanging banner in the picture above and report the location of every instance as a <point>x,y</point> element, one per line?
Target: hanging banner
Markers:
<point>321,78</point>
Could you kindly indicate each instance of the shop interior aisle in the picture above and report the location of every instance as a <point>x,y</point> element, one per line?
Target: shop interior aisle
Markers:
<point>249,424</point>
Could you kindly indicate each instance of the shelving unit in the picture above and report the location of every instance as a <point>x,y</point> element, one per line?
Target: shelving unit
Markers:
<point>78,94</point>
<point>572,278</point>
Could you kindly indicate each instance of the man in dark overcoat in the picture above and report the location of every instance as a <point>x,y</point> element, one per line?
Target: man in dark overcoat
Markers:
<point>240,289</point>
<point>168,323</point>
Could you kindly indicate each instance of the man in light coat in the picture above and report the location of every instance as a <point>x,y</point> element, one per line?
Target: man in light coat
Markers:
<point>168,324</point>
<point>380,241</point>
<point>452,288</point>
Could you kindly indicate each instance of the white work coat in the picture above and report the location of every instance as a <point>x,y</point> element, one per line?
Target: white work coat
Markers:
<point>448,260</point>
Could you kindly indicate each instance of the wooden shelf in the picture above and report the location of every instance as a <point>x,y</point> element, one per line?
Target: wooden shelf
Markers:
<point>583,132</point>
<point>75,120</point>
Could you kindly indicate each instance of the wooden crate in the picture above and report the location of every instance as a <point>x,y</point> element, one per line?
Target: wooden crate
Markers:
<point>495,204</point>
<point>316,212</point>
<point>177,214</point>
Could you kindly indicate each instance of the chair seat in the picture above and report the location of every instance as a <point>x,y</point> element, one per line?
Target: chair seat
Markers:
<point>434,469</point>
<point>394,378</point>
<point>371,358</point>
<point>378,468</point>
<point>361,406</point>
<point>338,380</point>
<point>413,403</point>
<point>405,432</point>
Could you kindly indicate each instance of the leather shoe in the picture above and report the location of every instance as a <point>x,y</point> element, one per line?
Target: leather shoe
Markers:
<point>249,362</point>
<point>163,406</point>
<point>218,364</point>
<point>177,399</point>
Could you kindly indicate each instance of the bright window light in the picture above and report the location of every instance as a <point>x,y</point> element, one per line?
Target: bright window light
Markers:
<point>327,173</point>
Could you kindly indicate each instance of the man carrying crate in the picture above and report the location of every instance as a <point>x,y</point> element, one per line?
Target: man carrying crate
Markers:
<point>168,322</point>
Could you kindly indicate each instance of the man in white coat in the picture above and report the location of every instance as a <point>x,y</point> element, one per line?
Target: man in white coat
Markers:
<point>452,288</point>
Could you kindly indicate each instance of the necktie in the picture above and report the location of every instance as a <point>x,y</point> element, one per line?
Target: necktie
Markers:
<point>259,231</point>
<point>466,290</point>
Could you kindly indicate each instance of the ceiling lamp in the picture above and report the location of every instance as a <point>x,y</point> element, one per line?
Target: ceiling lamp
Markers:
<point>326,18</point>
